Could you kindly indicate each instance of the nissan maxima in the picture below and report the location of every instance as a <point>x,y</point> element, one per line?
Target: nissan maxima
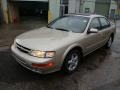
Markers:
<point>62,43</point>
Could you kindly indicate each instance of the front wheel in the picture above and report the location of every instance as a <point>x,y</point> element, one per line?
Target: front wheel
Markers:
<point>72,61</point>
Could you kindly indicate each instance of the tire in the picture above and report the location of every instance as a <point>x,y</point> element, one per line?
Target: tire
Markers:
<point>71,61</point>
<point>109,42</point>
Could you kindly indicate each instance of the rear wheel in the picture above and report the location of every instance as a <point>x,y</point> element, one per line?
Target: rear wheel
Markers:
<point>110,41</point>
<point>72,61</point>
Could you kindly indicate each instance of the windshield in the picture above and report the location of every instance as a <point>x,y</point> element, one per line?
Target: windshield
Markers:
<point>70,23</point>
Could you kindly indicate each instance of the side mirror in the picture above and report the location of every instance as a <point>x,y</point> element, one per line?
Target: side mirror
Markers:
<point>93,30</point>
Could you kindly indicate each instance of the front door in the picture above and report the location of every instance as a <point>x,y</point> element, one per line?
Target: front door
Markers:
<point>105,30</point>
<point>93,40</point>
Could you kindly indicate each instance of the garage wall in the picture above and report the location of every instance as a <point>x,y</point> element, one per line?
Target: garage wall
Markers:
<point>72,6</point>
<point>89,6</point>
<point>78,6</point>
<point>0,13</point>
<point>31,0</point>
<point>54,10</point>
<point>113,9</point>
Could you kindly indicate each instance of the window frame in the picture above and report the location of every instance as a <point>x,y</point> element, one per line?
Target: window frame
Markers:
<point>98,21</point>
<point>104,27</point>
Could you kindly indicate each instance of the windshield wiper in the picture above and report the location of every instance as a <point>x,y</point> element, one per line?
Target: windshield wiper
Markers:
<point>62,29</point>
<point>49,27</point>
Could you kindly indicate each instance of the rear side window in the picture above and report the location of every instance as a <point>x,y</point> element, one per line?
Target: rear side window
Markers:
<point>95,24</point>
<point>104,23</point>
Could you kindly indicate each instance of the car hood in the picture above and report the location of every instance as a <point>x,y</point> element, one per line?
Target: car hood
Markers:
<point>45,38</point>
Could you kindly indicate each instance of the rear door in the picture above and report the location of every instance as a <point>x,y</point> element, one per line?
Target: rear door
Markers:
<point>105,29</point>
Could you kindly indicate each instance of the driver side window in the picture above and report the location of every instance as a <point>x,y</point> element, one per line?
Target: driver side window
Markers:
<point>95,24</point>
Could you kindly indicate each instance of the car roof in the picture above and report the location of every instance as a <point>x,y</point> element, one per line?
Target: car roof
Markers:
<point>85,15</point>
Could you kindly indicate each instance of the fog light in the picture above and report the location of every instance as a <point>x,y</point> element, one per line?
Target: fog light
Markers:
<point>48,65</point>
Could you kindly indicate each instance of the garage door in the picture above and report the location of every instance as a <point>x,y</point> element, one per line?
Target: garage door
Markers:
<point>102,7</point>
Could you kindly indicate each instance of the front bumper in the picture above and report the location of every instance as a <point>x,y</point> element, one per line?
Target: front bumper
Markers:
<point>26,61</point>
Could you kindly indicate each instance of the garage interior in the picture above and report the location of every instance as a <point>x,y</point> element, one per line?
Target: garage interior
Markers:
<point>26,11</point>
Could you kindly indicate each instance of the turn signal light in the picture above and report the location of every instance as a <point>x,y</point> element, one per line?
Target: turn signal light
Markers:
<point>48,65</point>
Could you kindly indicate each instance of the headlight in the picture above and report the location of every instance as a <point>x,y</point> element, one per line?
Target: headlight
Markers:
<point>39,54</point>
<point>43,54</point>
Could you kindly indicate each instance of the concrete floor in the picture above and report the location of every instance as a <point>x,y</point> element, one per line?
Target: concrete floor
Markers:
<point>98,71</point>
<point>9,32</point>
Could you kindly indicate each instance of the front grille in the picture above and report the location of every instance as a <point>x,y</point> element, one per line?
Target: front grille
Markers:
<point>22,48</point>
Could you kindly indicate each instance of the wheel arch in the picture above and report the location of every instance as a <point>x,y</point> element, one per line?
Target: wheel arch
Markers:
<point>112,34</point>
<point>75,46</point>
